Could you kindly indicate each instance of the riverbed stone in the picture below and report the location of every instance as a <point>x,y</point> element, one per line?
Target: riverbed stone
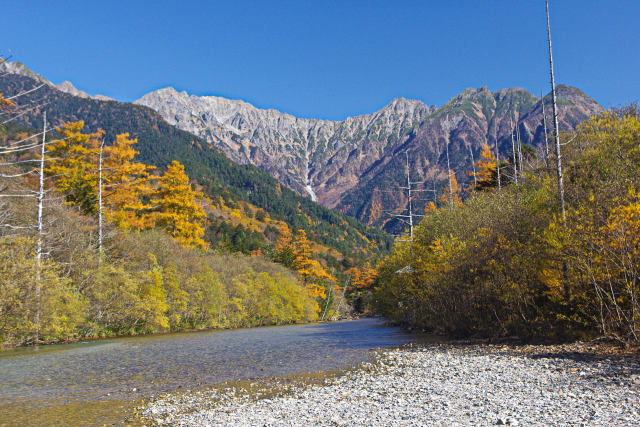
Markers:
<point>440,384</point>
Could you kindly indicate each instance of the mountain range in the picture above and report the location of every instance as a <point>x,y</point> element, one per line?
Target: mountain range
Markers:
<point>246,202</point>
<point>354,165</point>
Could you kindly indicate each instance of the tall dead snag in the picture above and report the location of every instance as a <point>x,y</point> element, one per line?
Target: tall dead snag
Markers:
<point>344,291</point>
<point>41,194</point>
<point>100,201</point>
<point>473,166</point>
<point>555,118</point>
<point>498,163</point>
<point>513,150</point>
<point>449,176</point>
<point>544,126</point>
<point>408,219</point>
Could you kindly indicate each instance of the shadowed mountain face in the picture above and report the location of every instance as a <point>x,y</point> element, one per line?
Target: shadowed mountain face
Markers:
<point>354,165</point>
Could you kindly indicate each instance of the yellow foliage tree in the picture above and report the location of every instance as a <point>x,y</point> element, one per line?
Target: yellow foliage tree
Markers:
<point>486,174</point>
<point>74,164</point>
<point>284,247</point>
<point>309,269</point>
<point>430,208</point>
<point>445,198</point>
<point>178,210</point>
<point>125,185</point>
<point>362,278</point>
<point>6,103</point>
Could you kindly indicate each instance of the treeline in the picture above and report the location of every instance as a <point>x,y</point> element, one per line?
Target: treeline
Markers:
<point>93,244</point>
<point>505,263</point>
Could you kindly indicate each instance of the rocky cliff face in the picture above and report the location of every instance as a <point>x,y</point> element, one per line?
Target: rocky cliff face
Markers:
<point>319,157</point>
<point>351,164</point>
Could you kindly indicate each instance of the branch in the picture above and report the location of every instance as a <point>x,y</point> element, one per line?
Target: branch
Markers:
<point>24,93</point>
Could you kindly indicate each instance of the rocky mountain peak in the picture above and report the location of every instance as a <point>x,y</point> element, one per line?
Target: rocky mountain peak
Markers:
<point>69,88</point>
<point>342,163</point>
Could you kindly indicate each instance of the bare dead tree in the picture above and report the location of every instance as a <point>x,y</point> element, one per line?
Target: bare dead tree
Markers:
<point>409,218</point>
<point>544,126</point>
<point>327,301</point>
<point>498,163</point>
<point>344,291</point>
<point>519,145</point>
<point>555,119</point>
<point>449,177</point>
<point>100,201</point>
<point>473,166</point>
<point>513,150</point>
<point>41,194</point>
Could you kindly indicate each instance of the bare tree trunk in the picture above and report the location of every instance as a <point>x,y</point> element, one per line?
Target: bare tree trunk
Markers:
<point>449,176</point>
<point>326,304</point>
<point>473,165</point>
<point>513,149</point>
<point>344,291</point>
<point>544,126</point>
<point>498,163</point>
<point>409,196</point>
<point>520,167</point>
<point>40,229</point>
<point>100,203</point>
<point>555,119</point>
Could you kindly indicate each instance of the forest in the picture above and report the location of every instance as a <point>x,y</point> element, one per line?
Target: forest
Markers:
<point>509,258</point>
<point>94,243</point>
<point>343,240</point>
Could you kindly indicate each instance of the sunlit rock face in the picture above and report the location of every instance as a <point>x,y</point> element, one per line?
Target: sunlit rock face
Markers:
<point>352,165</point>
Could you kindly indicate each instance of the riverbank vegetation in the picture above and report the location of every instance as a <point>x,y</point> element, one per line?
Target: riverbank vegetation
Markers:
<point>506,263</point>
<point>103,245</point>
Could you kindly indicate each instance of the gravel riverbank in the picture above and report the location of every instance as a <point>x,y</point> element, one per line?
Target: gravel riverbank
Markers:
<point>440,384</point>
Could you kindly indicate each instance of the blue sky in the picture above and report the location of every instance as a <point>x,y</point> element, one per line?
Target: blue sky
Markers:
<point>327,59</point>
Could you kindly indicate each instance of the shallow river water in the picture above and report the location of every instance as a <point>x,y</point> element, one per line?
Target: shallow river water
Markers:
<point>100,381</point>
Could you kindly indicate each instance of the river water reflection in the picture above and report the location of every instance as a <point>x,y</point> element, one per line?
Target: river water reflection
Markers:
<point>112,369</point>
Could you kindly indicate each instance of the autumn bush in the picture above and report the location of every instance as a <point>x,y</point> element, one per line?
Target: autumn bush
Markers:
<point>506,263</point>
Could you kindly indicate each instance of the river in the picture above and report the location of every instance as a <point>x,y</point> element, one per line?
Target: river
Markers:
<point>100,382</point>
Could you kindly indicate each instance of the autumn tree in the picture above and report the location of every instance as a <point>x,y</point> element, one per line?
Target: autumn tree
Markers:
<point>126,185</point>
<point>362,277</point>
<point>430,208</point>
<point>451,191</point>
<point>284,246</point>
<point>486,175</point>
<point>309,269</point>
<point>74,164</point>
<point>177,209</point>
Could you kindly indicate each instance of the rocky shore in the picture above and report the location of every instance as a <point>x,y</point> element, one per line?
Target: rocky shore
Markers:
<point>439,384</point>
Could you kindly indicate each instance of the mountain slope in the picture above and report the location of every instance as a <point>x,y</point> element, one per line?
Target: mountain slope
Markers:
<point>318,157</point>
<point>22,70</point>
<point>352,164</point>
<point>464,124</point>
<point>159,143</point>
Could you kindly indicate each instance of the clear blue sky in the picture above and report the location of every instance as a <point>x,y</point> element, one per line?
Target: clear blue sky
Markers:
<point>327,59</point>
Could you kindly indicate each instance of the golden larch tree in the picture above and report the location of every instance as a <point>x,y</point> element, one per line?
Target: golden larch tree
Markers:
<point>177,207</point>
<point>486,172</point>
<point>284,246</point>
<point>126,184</point>
<point>309,269</point>
<point>74,164</point>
